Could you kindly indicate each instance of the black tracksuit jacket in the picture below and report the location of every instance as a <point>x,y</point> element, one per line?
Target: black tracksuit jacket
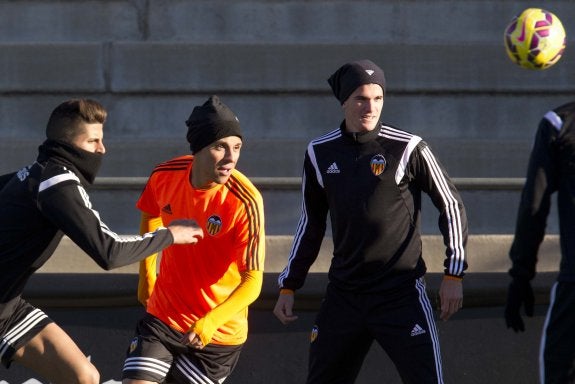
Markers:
<point>371,186</point>
<point>38,205</point>
<point>551,169</point>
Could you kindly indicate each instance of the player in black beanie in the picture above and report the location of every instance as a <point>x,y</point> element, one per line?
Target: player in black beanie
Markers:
<point>366,178</point>
<point>197,307</point>
<point>210,122</point>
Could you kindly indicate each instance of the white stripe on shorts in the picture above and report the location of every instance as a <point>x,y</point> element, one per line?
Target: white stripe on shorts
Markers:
<point>147,364</point>
<point>191,372</point>
<point>21,329</point>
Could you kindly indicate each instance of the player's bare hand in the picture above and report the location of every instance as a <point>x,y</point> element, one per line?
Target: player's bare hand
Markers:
<point>450,297</point>
<point>284,308</point>
<point>185,231</point>
<point>192,339</point>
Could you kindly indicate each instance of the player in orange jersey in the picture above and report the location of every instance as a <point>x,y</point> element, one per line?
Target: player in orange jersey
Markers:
<point>196,320</point>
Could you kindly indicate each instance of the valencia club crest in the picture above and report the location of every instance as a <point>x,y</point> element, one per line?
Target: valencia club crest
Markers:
<point>377,164</point>
<point>214,225</point>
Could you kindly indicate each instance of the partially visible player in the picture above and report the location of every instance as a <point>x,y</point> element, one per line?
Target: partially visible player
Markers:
<point>196,321</point>
<point>38,205</point>
<point>551,169</point>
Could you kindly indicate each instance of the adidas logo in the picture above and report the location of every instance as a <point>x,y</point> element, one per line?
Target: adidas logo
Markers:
<point>417,330</point>
<point>333,168</point>
<point>167,209</point>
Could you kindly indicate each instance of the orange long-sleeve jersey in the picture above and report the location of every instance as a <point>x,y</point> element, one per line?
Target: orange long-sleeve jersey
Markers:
<point>205,287</point>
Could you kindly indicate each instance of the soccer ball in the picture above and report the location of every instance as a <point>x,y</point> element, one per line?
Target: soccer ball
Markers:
<point>535,39</point>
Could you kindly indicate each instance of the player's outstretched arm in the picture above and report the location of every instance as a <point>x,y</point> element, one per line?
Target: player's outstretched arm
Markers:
<point>185,231</point>
<point>284,307</point>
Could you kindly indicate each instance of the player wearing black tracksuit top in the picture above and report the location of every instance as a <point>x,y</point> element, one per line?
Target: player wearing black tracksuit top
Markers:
<point>371,185</point>
<point>38,205</point>
<point>370,177</point>
<point>551,169</point>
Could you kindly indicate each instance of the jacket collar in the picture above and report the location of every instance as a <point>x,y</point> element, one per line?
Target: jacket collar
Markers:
<point>360,137</point>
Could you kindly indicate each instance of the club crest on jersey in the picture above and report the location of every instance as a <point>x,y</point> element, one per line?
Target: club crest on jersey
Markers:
<point>214,225</point>
<point>313,335</point>
<point>133,344</point>
<point>377,164</point>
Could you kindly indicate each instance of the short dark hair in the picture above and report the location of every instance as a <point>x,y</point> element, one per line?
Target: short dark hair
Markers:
<point>67,119</point>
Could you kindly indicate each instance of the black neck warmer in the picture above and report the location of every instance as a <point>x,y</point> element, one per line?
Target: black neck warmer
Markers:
<point>84,164</point>
<point>360,137</point>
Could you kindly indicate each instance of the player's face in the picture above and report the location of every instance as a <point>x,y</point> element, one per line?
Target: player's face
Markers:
<point>363,108</point>
<point>214,163</point>
<point>92,139</point>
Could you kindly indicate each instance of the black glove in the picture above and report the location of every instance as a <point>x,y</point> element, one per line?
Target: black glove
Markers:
<point>520,292</point>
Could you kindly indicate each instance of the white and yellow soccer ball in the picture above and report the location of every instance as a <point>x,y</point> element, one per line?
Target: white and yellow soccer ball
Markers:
<point>535,39</point>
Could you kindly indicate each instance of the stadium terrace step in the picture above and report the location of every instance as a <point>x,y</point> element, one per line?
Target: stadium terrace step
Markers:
<point>71,278</point>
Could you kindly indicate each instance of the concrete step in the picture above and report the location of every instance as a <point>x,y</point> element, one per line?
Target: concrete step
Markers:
<point>486,254</point>
<point>489,212</point>
<point>164,67</point>
<point>284,157</point>
<point>275,21</point>
<point>71,278</point>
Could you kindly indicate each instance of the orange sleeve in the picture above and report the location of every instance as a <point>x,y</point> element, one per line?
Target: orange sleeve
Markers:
<point>148,267</point>
<point>246,293</point>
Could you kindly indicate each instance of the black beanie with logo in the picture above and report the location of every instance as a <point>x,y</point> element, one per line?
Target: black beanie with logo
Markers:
<point>210,122</point>
<point>352,75</point>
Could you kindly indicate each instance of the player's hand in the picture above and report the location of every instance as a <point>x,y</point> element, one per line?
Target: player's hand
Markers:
<point>284,308</point>
<point>519,293</point>
<point>185,231</point>
<point>192,339</point>
<point>450,297</point>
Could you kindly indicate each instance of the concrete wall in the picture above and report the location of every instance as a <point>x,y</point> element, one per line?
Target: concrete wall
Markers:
<point>150,62</point>
<point>488,211</point>
<point>486,253</point>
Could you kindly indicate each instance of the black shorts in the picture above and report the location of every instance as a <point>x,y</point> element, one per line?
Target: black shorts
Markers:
<point>156,354</point>
<point>25,322</point>
<point>400,320</point>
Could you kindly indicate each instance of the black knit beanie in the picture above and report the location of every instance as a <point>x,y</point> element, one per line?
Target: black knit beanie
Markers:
<point>210,122</point>
<point>352,75</point>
